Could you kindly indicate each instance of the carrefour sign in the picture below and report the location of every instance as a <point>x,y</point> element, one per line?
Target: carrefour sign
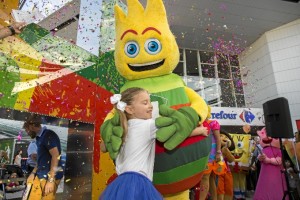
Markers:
<point>238,116</point>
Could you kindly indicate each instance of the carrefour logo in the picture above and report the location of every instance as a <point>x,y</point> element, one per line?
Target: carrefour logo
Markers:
<point>247,116</point>
<point>223,115</point>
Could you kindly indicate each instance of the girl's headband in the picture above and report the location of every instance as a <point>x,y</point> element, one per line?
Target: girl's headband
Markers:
<point>116,99</point>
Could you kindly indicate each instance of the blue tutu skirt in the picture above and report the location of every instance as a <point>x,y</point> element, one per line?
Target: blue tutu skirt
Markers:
<point>131,186</point>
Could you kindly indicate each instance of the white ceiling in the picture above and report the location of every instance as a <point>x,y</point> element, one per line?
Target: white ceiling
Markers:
<point>198,23</point>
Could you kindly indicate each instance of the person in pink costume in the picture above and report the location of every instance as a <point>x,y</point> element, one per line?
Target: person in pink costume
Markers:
<point>271,182</point>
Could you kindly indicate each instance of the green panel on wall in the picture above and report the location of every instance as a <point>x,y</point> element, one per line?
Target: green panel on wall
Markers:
<point>109,77</point>
<point>8,75</point>
<point>32,33</point>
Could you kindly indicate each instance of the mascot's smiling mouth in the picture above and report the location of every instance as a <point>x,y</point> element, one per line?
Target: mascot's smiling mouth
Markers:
<point>238,155</point>
<point>146,66</point>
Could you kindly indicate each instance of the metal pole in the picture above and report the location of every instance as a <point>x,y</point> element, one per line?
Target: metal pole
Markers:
<point>288,190</point>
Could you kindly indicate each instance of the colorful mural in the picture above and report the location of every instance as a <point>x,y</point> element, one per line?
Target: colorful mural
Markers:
<point>45,74</point>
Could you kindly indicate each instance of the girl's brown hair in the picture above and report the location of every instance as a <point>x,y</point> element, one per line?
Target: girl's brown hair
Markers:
<point>127,97</point>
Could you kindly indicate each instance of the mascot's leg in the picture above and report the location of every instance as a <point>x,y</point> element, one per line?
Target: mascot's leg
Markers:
<point>178,196</point>
<point>204,186</point>
<point>242,180</point>
<point>229,186</point>
<point>236,186</point>
<point>239,185</point>
<point>212,186</point>
<point>221,186</point>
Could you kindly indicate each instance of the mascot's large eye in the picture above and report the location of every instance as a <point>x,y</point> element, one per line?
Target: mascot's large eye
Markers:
<point>240,144</point>
<point>152,46</point>
<point>131,49</point>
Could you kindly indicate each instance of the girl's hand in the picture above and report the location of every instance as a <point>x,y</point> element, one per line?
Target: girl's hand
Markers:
<point>218,157</point>
<point>202,130</point>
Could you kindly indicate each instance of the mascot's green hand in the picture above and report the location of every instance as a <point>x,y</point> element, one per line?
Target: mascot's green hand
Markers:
<point>111,133</point>
<point>174,126</point>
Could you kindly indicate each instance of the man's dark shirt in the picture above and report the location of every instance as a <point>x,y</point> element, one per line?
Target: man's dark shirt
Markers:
<point>46,140</point>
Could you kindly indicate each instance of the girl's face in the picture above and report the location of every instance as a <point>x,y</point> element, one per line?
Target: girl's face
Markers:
<point>225,141</point>
<point>141,107</point>
<point>13,175</point>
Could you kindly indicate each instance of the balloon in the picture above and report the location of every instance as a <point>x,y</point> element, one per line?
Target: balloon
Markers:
<point>247,128</point>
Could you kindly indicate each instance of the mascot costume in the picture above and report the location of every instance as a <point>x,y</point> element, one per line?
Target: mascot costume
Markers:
<point>241,164</point>
<point>146,53</point>
<point>225,181</point>
<point>271,182</point>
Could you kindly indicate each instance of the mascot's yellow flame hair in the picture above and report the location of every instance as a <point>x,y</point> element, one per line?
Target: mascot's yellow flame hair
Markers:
<point>145,46</point>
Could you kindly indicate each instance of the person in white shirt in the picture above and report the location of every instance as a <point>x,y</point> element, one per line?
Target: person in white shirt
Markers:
<point>32,156</point>
<point>18,158</point>
<point>135,161</point>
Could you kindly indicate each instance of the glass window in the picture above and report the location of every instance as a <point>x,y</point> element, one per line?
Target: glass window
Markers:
<point>240,100</point>
<point>179,69</point>
<point>238,86</point>
<point>237,81</point>
<point>212,89</point>
<point>223,71</point>
<point>208,71</point>
<point>225,88</point>
<point>236,72</point>
<point>214,102</point>
<point>223,67</point>
<point>192,71</point>
<point>234,60</point>
<point>181,54</point>
<point>227,93</point>
<point>207,57</point>
<point>191,63</point>
<point>195,83</point>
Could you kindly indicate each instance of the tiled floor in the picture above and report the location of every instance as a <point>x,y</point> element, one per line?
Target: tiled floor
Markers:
<point>249,195</point>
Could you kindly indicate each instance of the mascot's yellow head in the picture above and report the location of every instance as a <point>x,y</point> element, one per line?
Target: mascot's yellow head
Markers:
<point>145,46</point>
<point>242,147</point>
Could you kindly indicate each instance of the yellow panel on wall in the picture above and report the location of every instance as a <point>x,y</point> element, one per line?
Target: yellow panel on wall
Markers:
<point>107,169</point>
<point>7,5</point>
<point>5,10</point>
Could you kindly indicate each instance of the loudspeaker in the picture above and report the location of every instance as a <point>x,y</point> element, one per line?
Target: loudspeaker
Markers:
<point>278,118</point>
<point>294,1</point>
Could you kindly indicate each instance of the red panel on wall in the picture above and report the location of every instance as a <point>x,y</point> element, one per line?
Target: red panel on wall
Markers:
<point>70,96</point>
<point>298,124</point>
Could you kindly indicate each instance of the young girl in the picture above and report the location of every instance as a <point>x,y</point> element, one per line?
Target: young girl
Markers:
<point>135,161</point>
<point>215,165</point>
<point>10,185</point>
